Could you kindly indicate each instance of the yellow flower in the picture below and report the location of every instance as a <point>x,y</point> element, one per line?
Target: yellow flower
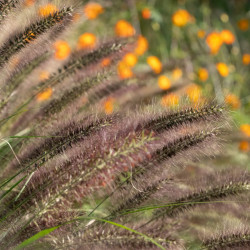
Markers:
<point>164,82</point>
<point>155,64</point>
<point>246,59</point>
<point>181,18</point>
<point>109,106</point>
<point>244,146</point>
<point>45,95</point>
<point>141,46</point>
<point>203,74</point>
<point>47,10</point>
<point>44,75</point>
<point>87,41</point>
<point>201,33</point>
<point>194,92</point>
<point>124,71</point>
<point>214,42</point>
<point>105,62</point>
<point>62,50</point>
<point>222,69</point>
<point>93,10</point>
<point>233,101</point>
<point>245,129</point>
<point>146,14</point>
<point>124,29</point>
<point>170,100</point>
<point>177,74</point>
<point>227,36</point>
<point>243,24</point>
<point>130,59</point>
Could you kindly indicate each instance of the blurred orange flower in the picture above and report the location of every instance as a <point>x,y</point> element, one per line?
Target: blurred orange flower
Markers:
<point>181,18</point>
<point>214,42</point>
<point>201,33</point>
<point>105,62</point>
<point>109,106</point>
<point>146,14</point>
<point>47,10</point>
<point>141,46</point>
<point>62,50</point>
<point>87,41</point>
<point>44,75</point>
<point>227,36</point>
<point>222,69</point>
<point>124,71</point>
<point>76,17</point>
<point>170,100</point>
<point>203,74</point>
<point>130,59</point>
<point>246,59</point>
<point>177,74</point>
<point>155,64</point>
<point>194,92</point>
<point>233,101</point>
<point>124,29</point>
<point>45,95</point>
<point>243,24</point>
<point>244,146</point>
<point>245,129</point>
<point>164,82</point>
<point>29,2</point>
<point>93,10</point>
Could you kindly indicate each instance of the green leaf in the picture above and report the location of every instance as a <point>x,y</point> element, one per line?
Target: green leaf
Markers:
<point>36,237</point>
<point>126,228</point>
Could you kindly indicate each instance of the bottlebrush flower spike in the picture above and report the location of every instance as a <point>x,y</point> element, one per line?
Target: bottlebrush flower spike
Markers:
<point>31,33</point>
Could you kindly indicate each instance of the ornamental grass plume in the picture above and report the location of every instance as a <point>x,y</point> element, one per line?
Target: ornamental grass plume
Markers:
<point>97,153</point>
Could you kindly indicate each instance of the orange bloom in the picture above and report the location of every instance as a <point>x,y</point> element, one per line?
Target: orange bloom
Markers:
<point>45,95</point>
<point>246,59</point>
<point>203,74</point>
<point>170,100</point>
<point>105,62</point>
<point>47,10</point>
<point>181,18</point>
<point>130,59</point>
<point>44,75</point>
<point>124,71</point>
<point>222,69</point>
<point>146,14</point>
<point>214,42</point>
<point>245,129</point>
<point>29,2</point>
<point>87,41</point>
<point>164,82</point>
<point>124,29</point>
<point>177,74</point>
<point>194,92</point>
<point>155,64</point>
<point>93,10</point>
<point>109,106</point>
<point>233,101</point>
<point>62,50</point>
<point>201,33</point>
<point>227,36</point>
<point>244,146</point>
<point>243,24</point>
<point>141,46</point>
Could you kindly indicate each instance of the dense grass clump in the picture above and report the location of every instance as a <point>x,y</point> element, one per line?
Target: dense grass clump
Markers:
<point>93,155</point>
